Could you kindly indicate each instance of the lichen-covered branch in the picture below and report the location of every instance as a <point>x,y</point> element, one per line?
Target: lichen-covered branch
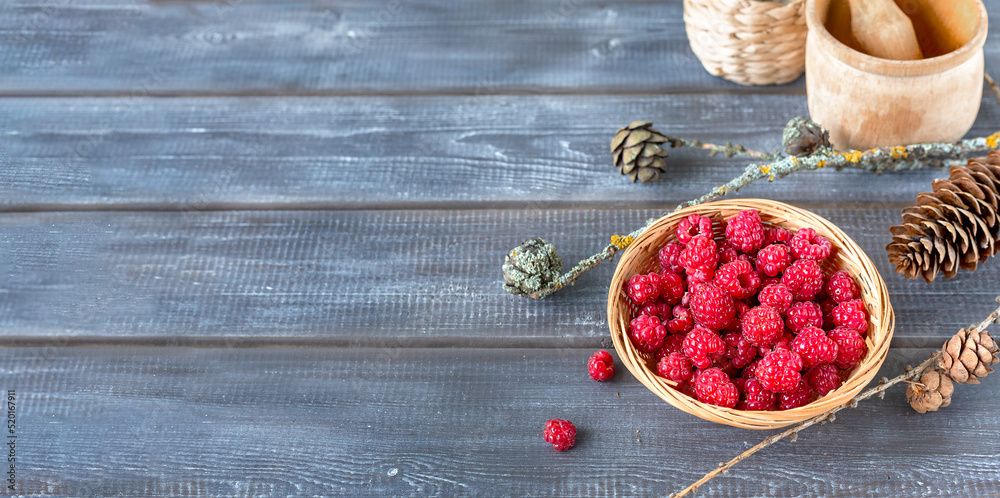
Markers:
<point>728,150</point>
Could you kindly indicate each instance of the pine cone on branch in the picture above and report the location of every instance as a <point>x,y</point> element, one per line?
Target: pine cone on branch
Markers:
<point>956,226</point>
<point>967,356</point>
<point>932,392</point>
<point>637,151</point>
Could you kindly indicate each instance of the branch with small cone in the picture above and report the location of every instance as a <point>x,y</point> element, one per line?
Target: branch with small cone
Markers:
<point>966,355</point>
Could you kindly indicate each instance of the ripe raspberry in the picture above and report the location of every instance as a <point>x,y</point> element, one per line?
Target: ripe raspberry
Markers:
<point>804,314</point>
<point>669,257</point>
<point>671,344</point>
<point>647,333</point>
<point>750,371</point>
<point>601,366</point>
<point>711,306</point>
<point>850,347</point>
<point>561,433</point>
<point>686,388</point>
<point>851,314</point>
<point>802,395</point>
<point>701,342</point>
<point>783,342</point>
<point>841,287</point>
<point>776,235</point>
<point>778,371</point>
<point>815,348</point>
<point>807,244</point>
<point>672,288</point>
<point>675,367</point>
<point>642,289</point>
<point>700,275</point>
<point>773,259</point>
<point>823,379</point>
<point>739,349</point>
<point>827,305</point>
<point>692,226</point>
<point>682,321</point>
<point>776,296</point>
<point>804,279</point>
<point>756,398</point>
<point>738,278</point>
<point>762,326</point>
<point>714,387</point>
<point>700,252</point>
<point>657,308</point>
<point>745,231</point>
<point>727,253</point>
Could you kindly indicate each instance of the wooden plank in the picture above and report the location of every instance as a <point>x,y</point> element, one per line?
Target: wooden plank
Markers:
<point>399,422</point>
<point>357,278</point>
<point>356,153</point>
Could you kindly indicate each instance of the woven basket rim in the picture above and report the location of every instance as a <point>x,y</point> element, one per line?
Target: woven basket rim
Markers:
<point>849,256</point>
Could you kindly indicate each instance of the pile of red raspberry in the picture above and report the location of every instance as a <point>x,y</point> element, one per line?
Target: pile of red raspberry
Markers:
<point>749,320</point>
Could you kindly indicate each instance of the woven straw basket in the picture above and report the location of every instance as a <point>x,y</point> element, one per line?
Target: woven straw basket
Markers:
<point>750,42</point>
<point>642,257</point>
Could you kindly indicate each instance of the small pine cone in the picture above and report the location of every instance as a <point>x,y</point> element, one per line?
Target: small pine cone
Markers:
<point>637,151</point>
<point>932,392</point>
<point>968,355</point>
<point>530,267</point>
<point>803,137</point>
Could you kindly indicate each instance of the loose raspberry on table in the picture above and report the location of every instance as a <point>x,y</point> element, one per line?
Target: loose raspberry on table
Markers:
<point>823,378</point>
<point>850,347</point>
<point>692,226</point>
<point>804,279</point>
<point>727,253</point>
<point>777,235</point>
<point>647,333</point>
<point>842,287</point>
<point>851,314</point>
<point>739,349</point>
<point>815,347</point>
<point>601,366</point>
<point>672,289</point>
<point>745,231</point>
<point>804,314</point>
<point>561,433</point>
<point>802,395</point>
<point>755,398</point>
<point>807,244</point>
<point>671,344</point>
<point>700,343</point>
<point>762,325</point>
<point>675,367</point>
<point>713,386</point>
<point>779,371</point>
<point>642,289</point>
<point>657,308</point>
<point>776,296</point>
<point>712,306</point>
<point>774,259</point>
<point>738,278</point>
<point>699,253</point>
<point>682,321</point>
<point>669,257</point>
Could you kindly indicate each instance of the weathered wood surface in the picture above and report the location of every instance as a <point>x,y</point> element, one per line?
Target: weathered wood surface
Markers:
<point>401,422</point>
<point>358,278</point>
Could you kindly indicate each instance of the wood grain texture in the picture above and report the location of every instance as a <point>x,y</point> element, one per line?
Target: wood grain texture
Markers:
<point>356,153</point>
<point>358,278</point>
<point>400,422</point>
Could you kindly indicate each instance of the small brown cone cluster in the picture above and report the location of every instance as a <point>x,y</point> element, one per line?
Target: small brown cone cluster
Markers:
<point>932,392</point>
<point>968,355</point>
<point>637,151</point>
<point>802,137</point>
<point>954,227</point>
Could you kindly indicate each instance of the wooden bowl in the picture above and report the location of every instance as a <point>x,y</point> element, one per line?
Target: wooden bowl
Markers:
<point>642,257</point>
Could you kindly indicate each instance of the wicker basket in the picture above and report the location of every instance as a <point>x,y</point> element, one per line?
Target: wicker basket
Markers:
<point>642,257</point>
<point>750,42</point>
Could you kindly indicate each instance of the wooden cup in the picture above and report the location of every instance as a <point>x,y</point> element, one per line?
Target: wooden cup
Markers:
<point>868,102</point>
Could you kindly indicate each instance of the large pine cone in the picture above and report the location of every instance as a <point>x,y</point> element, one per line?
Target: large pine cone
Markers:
<point>968,356</point>
<point>932,392</point>
<point>637,151</point>
<point>955,226</point>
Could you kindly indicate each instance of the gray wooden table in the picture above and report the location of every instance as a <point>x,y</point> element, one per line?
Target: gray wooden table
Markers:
<point>253,248</point>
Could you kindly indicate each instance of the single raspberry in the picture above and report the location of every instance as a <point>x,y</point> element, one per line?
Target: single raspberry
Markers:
<point>669,257</point>
<point>727,253</point>
<point>778,371</point>
<point>851,314</point>
<point>802,395</point>
<point>827,305</point>
<point>783,342</point>
<point>726,365</point>
<point>745,231</point>
<point>601,365</point>
<point>734,324</point>
<point>842,287</point>
<point>776,235</point>
<point>762,325</point>
<point>756,398</point>
<point>712,306</point>
<point>815,348</point>
<point>738,278</point>
<point>714,387</point>
<point>700,252</point>
<point>807,244</point>
<point>561,433</point>
<point>701,342</point>
<point>642,289</point>
<point>750,371</point>
<point>657,308</point>
<point>671,344</point>
<point>682,321</point>
<point>699,276</point>
<point>692,226</point>
<point>776,296</point>
<point>850,347</point>
<point>773,259</point>
<point>675,367</point>
<point>823,379</point>
<point>804,279</point>
<point>804,314</point>
<point>686,388</point>
<point>647,333</point>
<point>672,288</point>
<point>739,349</point>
